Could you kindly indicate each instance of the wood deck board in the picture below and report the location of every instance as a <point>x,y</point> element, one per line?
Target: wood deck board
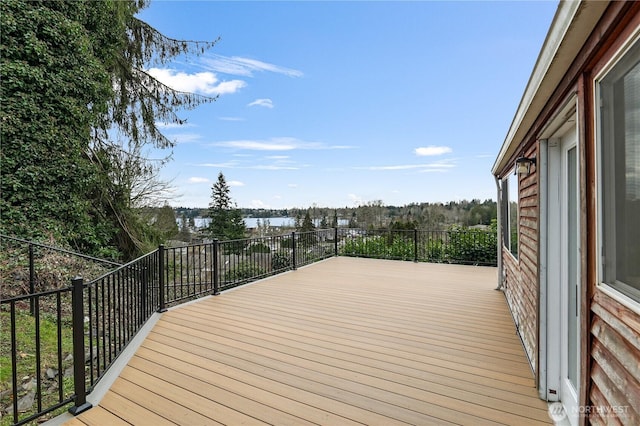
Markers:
<point>316,349</point>
<point>347,317</point>
<point>336,340</point>
<point>338,336</point>
<point>99,417</point>
<point>344,341</point>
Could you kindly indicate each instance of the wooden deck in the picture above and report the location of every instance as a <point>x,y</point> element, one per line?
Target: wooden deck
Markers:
<point>345,341</point>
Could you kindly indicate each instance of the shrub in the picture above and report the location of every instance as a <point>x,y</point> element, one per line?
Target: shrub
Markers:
<point>471,246</point>
<point>258,248</point>
<point>280,260</point>
<point>243,271</point>
<point>434,251</point>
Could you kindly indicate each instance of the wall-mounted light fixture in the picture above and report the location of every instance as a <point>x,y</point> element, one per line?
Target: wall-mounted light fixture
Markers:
<point>523,165</point>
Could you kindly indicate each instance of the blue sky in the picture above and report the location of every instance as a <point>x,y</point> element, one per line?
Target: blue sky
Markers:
<point>343,103</point>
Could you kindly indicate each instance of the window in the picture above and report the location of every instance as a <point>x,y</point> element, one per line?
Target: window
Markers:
<point>510,212</point>
<point>513,213</point>
<point>619,122</point>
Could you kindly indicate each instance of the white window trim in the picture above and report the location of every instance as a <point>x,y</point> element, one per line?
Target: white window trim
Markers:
<point>619,297</point>
<point>511,180</point>
<point>610,291</point>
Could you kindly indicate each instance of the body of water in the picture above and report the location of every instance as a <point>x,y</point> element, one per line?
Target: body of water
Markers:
<point>252,222</point>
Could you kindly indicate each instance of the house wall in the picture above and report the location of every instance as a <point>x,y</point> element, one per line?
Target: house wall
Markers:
<point>521,274</point>
<point>615,362</point>
<point>613,338</point>
<point>610,337</point>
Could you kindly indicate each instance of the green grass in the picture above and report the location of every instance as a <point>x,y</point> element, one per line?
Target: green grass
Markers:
<point>26,357</point>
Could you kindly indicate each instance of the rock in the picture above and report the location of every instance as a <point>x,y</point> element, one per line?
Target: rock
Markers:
<point>51,373</point>
<point>26,402</point>
<point>68,372</point>
<point>88,353</point>
<point>31,384</point>
<point>69,358</point>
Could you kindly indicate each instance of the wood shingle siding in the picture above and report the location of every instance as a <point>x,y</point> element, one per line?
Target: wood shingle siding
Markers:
<point>586,42</point>
<point>521,297</point>
<point>615,358</point>
<point>521,283</point>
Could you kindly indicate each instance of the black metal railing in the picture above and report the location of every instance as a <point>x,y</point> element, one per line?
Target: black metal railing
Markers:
<point>38,267</point>
<point>115,307</point>
<point>456,245</point>
<point>60,342</point>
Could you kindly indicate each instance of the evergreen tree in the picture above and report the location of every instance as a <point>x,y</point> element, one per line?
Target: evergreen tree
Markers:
<point>307,223</point>
<point>353,222</point>
<point>185,232</point>
<point>73,76</point>
<point>226,221</point>
<point>323,223</point>
<point>51,71</point>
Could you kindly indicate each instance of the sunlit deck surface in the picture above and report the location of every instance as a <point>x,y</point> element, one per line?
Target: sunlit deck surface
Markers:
<point>344,341</point>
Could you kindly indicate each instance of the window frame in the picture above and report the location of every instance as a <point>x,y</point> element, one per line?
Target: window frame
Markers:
<point>511,182</point>
<point>606,181</point>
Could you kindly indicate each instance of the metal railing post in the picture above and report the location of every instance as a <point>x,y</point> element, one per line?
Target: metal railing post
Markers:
<point>144,283</point>
<point>80,403</point>
<point>293,245</point>
<point>14,364</point>
<point>32,279</point>
<point>335,240</point>
<point>415,245</point>
<point>162,307</point>
<point>216,278</point>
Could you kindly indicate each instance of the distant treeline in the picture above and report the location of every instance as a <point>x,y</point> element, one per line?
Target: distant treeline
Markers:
<point>377,215</point>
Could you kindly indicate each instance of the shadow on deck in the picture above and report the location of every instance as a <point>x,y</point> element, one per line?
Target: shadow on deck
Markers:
<point>343,341</point>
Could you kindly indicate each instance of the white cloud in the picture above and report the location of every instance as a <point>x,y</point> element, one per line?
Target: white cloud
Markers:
<point>230,164</point>
<point>273,167</point>
<point>239,165</point>
<point>267,103</point>
<point>292,185</point>
<point>397,167</point>
<point>355,199</point>
<point>185,137</point>
<point>276,144</point>
<point>236,65</point>
<point>196,179</point>
<point>206,83</point>
<point>235,183</point>
<point>258,145</point>
<point>258,204</point>
<point>441,166</point>
<point>432,150</point>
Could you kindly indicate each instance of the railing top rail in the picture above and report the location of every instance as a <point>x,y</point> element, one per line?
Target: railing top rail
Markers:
<point>29,296</point>
<point>83,256</point>
<point>120,267</point>
<point>314,231</point>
